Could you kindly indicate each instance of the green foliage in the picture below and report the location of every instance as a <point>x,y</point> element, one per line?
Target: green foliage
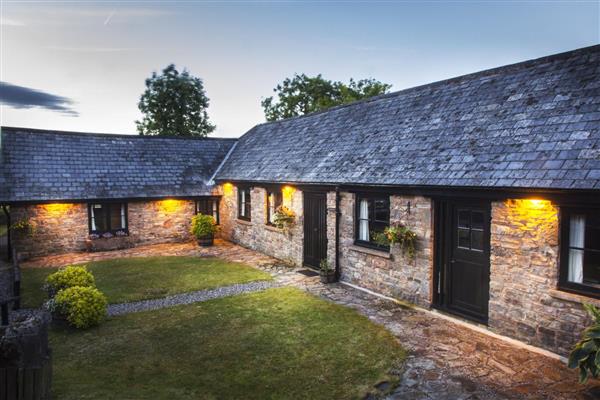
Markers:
<point>67,277</point>
<point>24,226</point>
<point>284,218</point>
<point>586,353</point>
<point>303,94</point>
<point>325,267</point>
<point>400,234</point>
<point>81,306</point>
<point>174,104</point>
<point>203,226</point>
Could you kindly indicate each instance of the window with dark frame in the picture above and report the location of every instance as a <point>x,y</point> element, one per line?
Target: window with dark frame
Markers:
<point>580,251</point>
<point>372,217</point>
<point>208,206</point>
<point>244,203</point>
<point>107,218</point>
<point>273,202</point>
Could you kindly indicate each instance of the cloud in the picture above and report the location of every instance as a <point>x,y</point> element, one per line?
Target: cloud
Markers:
<point>90,49</point>
<point>10,22</point>
<point>23,97</point>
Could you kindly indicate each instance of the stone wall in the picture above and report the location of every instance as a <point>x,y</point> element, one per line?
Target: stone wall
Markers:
<point>256,234</point>
<point>57,228</point>
<point>160,221</point>
<point>392,274</point>
<point>63,228</point>
<point>524,303</point>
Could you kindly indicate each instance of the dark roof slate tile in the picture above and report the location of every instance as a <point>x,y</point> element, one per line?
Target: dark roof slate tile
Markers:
<point>49,165</point>
<point>512,126</point>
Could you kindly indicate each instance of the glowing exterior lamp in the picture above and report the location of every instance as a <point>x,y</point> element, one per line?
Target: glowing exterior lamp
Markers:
<point>227,189</point>
<point>288,193</point>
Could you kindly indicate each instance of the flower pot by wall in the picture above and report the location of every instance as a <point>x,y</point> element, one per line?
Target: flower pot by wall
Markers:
<point>206,242</point>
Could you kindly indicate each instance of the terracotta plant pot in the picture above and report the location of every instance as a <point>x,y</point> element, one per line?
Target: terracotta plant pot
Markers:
<point>206,242</point>
<point>327,277</point>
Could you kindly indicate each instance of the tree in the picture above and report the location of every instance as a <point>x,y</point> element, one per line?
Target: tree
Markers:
<point>303,94</point>
<point>174,104</point>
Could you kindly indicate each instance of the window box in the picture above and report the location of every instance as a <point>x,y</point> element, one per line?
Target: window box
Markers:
<point>108,243</point>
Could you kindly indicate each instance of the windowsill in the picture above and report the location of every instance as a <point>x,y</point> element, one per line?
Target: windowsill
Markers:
<point>372,252</point>
<point>574,298</point>
<point>273,228</point>
<point>243,222</point>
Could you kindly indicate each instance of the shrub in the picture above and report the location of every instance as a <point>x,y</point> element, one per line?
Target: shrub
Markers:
<point>81,306</point>
<point>586,353</point>
<point>68,277</point>
<point>203,226</point>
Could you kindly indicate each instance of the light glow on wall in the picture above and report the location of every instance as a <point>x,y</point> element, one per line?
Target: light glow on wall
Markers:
<point>288,194</point>
<point>227,189</point>
<point>56,209</point>
<point>170,205</point>
<point>535,215</point>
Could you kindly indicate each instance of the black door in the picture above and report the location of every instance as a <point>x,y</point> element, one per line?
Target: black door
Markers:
<point>463,278</point>
<point>315,228</point>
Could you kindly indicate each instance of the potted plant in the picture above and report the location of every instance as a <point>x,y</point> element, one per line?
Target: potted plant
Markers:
<point>327,273</point>
<point>204,228</point>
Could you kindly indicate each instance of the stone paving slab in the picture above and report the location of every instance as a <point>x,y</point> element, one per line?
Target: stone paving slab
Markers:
<point>446,360</point>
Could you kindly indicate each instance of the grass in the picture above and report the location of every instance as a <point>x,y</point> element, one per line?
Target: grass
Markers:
<point>131,279</point>
<point>276,344</point>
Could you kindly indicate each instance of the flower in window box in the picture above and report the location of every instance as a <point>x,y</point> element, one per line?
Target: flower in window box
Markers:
<point>121,233</point>
<point>93,236</point>
<point>284,218</point>
<point>107,235</point>
<point>400,234</point>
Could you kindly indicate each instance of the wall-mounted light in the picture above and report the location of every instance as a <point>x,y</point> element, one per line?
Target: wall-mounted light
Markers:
<point>227,189</point>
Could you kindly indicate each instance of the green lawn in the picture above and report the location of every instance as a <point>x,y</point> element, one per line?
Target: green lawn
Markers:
<point>130,279</point>
<point>276,344</point>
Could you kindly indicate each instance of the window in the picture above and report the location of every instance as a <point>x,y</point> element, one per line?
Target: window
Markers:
<point>580,253</point>
<point>107,218</point>
<point>209,206</point>
<point>470,230</point>
<point>244,203</point>
<point>273,201</point>
<point>372,217</point>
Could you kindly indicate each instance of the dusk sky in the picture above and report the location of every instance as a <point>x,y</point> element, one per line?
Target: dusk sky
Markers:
<point>85,63</point>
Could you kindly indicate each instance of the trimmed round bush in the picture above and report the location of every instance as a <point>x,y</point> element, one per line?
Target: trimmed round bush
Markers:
<point>67,277</point>
<point>81,306</point>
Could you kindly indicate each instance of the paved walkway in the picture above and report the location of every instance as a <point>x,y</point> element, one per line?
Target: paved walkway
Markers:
<point>447,360</point>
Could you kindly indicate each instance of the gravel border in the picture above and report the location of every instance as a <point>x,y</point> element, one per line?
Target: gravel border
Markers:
<point>190,297</point>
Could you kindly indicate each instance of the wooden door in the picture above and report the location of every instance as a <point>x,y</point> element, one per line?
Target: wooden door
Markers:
<point>464,265</point>
<point>315,228</point>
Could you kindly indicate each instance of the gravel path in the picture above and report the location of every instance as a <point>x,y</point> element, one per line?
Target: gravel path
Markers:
<point>189,298</point>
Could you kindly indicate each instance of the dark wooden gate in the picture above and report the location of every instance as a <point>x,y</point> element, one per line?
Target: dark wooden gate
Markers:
<point>463,262</point>
<point>315,228</point>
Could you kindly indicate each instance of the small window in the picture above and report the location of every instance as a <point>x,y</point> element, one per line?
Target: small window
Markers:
<point>107,218</point>
<point>372,217</point>
<point>470,230</point>
<point>209,206</point>
<point>244,203</point>
<point>580,253</point>
<point>273,202</point>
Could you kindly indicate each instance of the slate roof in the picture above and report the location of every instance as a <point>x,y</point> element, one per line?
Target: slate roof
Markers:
<point>49,165</point>
<point>534,124</point>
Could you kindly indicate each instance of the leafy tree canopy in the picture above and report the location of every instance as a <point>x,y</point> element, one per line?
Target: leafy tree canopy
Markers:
<point>174,104</point>
<point>303,94</point>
